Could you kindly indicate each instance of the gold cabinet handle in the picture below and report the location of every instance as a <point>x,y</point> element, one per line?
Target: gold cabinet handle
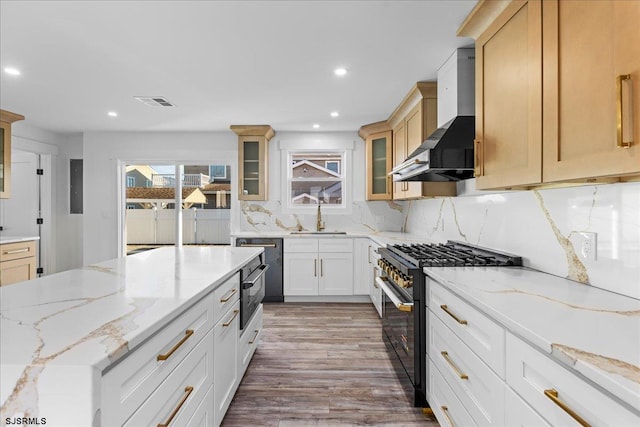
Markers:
<point>456,318</point>
<point>321,273</point>
<point>453,366</point>
<point>445,411</point>
<point>235,313</point>
<point>369,254</point>
<point>257,331</point>
<point>16,251</point>
<point>315,268</point>
<point>165,356</point>
<point>389,184</point>
<point>187,392</point>
<point>479,169</point>
<point>228,295</point>
<point>620,113</point>
<point>553,395</point>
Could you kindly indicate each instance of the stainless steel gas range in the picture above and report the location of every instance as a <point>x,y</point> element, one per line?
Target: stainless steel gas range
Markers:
<point>404,321</point>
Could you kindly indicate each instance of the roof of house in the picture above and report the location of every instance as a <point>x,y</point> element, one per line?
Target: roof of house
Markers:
<point>189,194</point>
<point>145,170</point>
<point>316,166</point>
<point>216,186</point>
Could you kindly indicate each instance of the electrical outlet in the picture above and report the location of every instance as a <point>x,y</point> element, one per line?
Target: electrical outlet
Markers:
<point>588,246</point>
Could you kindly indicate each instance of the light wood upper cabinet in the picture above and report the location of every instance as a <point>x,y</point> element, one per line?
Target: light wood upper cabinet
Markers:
<point>587,45</point>
<point>6,118</point>
<point>377,137</point>
<point>555,101</point>
<point>253,160</point>
<point>508,99</point>
<point>412,122</point>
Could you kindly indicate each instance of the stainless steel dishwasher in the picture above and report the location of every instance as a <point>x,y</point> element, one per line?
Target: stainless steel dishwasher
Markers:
<point>273,258</point>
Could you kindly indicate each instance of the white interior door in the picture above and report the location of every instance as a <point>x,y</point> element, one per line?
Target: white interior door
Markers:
<point>19,213</point>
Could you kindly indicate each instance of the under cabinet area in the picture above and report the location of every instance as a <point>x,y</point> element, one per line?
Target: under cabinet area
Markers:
<point>17,262</point>
<point>318,267</point>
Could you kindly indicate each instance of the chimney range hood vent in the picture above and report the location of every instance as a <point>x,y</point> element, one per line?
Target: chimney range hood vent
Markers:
<point>447,154</point>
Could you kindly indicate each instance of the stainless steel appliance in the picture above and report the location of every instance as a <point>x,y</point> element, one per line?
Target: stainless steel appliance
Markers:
<point>273,258</point>
<point>252,288</point>
<point>404,321</point>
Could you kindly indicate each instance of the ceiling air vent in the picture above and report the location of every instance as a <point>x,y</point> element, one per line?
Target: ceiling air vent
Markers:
<point>154,101</point>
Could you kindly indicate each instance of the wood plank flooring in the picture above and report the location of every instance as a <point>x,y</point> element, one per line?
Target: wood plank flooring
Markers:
<point>321,364</point>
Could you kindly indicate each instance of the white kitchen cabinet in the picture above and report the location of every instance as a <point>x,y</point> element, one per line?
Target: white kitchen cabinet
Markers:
<point>177,398</point>
<point>225,355</point>
<point>318,267</point>
<point>134,379</point>
<point>445,404</point>
<point>547,386</point>
<point>375,292</point>
<point>518,414</point>
<point>362,273</point>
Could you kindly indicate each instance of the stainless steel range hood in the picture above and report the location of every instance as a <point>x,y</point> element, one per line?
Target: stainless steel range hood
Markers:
<point>447,154</point>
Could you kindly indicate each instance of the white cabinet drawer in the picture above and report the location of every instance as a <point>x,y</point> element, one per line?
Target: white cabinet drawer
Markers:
<point>249,341</point>
<point>203,415</point>
<point>478,388</point>
<point>519,414</point>
<point>446,406</point>
<point>226,295</point>
<point>300,245</point>
<point>481,334</point>
<point>225,353</point>
<point>132,380</point>
<point>530,373</point>
<point>180,394</point>
<point>335,245</point>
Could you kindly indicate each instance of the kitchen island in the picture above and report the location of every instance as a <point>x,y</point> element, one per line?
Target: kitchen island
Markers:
<point>61,334</point>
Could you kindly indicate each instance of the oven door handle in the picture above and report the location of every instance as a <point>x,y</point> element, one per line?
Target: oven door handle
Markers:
<point>386,288</point>
<point>255,276</point>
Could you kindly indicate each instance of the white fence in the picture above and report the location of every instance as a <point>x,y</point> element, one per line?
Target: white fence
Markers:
<point>201,226</point>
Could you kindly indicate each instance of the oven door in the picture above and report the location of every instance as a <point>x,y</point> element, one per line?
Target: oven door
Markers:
<point>252,292</point>
<point>398,324</point>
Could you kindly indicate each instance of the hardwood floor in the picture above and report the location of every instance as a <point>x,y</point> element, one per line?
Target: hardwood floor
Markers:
<point>321,364</point>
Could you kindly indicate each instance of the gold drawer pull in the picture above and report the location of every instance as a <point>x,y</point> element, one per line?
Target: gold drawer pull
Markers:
<point>453,366</point>
<point>315,268</point>
<point>187,392</point>
<point>235,313</point>
<point>321,272</point>
<point>187,334</point>
<point>456,318</point>
<point>552,394</point>
<point>620,113</point>
<point>445,411</point>
<point>479,169</point>
<point>228,295</point>
<point>257,331</point>
<point>16,251</point>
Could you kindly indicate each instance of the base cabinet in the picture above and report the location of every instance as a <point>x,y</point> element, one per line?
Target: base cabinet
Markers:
<point>18,262</point>
<point>318,267</point>
<point>225,354</point>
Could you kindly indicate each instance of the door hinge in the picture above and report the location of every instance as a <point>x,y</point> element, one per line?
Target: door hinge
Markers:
<point>39,270</point>
<point>40,171</point>
<point>39,221</point>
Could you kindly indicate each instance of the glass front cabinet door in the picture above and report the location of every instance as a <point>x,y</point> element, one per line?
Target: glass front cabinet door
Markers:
<point>6,118</point>
<point>253,160</point>
<point>377,137</point>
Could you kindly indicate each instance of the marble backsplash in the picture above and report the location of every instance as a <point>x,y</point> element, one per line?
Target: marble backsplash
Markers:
<point>544,226</point>
<point>365,217</point>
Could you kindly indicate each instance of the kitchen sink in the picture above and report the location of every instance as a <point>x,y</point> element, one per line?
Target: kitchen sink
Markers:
<point>318,232</point>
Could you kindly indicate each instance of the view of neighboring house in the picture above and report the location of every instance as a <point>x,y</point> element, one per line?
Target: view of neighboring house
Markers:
<point>316,179</point>
<point>140,175</point>
<point>163,198</point>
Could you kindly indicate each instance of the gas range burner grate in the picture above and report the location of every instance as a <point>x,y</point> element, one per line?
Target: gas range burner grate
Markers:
<point>453,254</point>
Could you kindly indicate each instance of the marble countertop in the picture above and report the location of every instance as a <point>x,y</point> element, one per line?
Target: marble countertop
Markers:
<point>16,239</point>
<point>93,316</point>
<point>381,237</point>
<point>590,331</point>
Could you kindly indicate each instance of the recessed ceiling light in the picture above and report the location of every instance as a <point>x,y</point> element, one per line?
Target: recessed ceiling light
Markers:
<point>334,114</point>
<point>12,71</point>
<point>340,72</point>
<point>112,114</point>
<point>316,126</point>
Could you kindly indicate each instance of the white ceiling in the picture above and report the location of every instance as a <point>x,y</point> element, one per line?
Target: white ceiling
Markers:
<point>219,62</point>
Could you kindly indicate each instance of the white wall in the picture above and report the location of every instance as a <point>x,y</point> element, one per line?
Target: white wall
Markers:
<point>103,151</point>
<point>364,216</point>
<point>543,227</point>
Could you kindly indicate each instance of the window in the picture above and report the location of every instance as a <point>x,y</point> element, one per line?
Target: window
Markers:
<point>131,181</point>
<point>314,178</point>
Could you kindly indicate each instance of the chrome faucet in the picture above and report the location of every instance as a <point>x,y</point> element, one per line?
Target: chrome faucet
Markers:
<point>319,221</point>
